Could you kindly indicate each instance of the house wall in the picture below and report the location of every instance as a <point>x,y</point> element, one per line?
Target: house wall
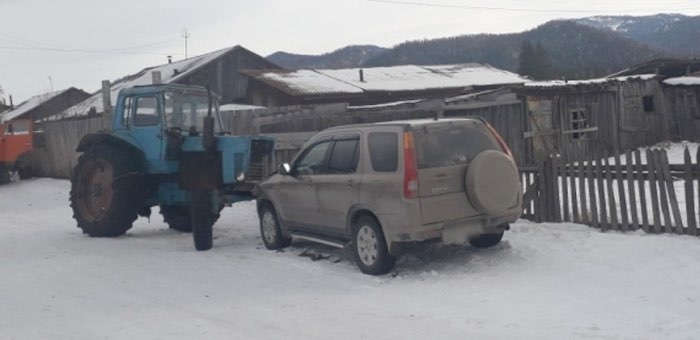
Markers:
<point>223,76</point>
<point>684,108</point>
<point>641,124</point>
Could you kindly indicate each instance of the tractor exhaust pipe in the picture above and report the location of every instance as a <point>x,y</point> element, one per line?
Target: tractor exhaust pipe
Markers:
<point>208,140</point>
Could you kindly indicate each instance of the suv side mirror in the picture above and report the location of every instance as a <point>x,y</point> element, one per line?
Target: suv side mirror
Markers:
<point>284,169</point>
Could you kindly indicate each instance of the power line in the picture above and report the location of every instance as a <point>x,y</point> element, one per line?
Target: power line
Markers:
<point>509,9</point>
<point>51,49</point>
<point>34,45</point>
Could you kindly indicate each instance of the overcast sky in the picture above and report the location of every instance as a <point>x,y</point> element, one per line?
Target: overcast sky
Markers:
<point>80,42</point>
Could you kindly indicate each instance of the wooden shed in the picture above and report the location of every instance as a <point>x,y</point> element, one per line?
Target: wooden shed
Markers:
<point>613,114</point>
<point>683,97</point>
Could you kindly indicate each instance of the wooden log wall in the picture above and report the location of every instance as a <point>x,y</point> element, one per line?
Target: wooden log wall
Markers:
<point>57,156</point>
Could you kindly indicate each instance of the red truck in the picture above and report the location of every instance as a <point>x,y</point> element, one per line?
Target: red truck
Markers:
<point>16,141</point>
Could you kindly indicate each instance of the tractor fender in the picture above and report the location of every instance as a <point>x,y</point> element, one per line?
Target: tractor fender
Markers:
<point>90,140</point>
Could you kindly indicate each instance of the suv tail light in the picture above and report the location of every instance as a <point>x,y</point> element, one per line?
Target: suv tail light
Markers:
<point>410,174</point>
<point>500,140</point>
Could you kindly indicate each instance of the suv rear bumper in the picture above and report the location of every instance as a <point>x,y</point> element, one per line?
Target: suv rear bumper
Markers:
<point>449,232</point>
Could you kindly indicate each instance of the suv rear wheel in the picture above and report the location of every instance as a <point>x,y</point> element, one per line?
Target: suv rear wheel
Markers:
<point>486,240</point>
<point>370,248</point>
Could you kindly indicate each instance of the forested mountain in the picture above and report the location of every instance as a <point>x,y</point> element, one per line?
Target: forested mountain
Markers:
<point>675,34</point>
<point>574,50</point>
<point>580,48</point>
<point>346,57</point>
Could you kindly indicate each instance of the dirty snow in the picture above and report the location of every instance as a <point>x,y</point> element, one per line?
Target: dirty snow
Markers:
<point>544,281</point>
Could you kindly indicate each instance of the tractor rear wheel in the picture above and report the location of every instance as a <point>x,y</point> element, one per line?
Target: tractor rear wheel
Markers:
<point>177,217</point>
<point>107,191</point>
<point>203,218</point>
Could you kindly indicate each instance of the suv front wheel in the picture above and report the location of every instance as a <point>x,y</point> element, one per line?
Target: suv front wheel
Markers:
<point>370,248</point>
<point>270,230</point>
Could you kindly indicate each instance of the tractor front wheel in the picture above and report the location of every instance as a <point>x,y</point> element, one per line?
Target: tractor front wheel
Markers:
<point>203,218</point>
<point>107,191</point>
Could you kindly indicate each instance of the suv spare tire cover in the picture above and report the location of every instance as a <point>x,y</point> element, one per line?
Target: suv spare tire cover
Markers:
<point>493,182</point>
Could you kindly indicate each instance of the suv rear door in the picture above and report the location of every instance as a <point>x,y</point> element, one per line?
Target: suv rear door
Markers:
<point>443,152</point>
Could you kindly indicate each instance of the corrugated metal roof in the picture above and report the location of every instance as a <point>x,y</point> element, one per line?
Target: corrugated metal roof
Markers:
<point>394,78</point>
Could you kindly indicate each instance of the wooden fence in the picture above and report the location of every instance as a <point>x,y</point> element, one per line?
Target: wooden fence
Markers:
<point>636,190</point>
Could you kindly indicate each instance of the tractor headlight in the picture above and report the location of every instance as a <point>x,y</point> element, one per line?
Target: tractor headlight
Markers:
<point>240,177</point>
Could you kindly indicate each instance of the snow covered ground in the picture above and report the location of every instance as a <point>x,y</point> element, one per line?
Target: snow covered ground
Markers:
<point>545,281</point>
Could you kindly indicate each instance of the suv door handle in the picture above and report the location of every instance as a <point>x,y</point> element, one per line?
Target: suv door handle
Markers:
<point>352,182</point>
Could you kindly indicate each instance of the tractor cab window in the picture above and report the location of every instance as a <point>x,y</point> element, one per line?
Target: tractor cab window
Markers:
<point>146,112</point>
<point>187,111</point>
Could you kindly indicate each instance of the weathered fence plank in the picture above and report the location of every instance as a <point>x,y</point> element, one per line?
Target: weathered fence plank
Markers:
<point>663,196</point>
<point>653,188</point>
<point>621,193</point>
<point>592,192</point>
<point>574,192</point>
<point>634,221</point>
<point>675,209</point>
<point>562,169</point>
<point>585,214</point>
<point>639,166</point>
<point>611,195</point>
<point>689,192</point>
<point>600,179</point>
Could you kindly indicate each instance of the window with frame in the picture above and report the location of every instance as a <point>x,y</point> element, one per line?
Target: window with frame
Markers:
<point>128,109</point>
<point>648,104</point>
<point>579,121</point>
<point>384,151</point>
<point>146,112</point>
<point>343,159</point>
<point>313,160</point>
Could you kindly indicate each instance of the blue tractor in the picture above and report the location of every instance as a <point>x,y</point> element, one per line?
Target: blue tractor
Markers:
<point>167,147</point>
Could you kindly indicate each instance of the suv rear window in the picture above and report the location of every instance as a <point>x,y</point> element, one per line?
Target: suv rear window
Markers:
<point>444,145</point>
<point>384,151</point>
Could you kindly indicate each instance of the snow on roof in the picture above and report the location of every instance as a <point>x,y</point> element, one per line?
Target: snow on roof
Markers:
<point>169,73</point>
<point>478,75</point>
<point>688,81</point>
<point>304,82</point>
<point>29,105</point>
<point>394,78</point>
<point>386,105</point>
<point>562,83</point>
<point>239,107</point>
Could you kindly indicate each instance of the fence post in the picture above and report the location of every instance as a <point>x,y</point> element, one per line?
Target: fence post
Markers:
<point>107,98</point>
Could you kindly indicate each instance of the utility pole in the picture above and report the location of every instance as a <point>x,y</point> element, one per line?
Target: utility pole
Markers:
<point>51,83</point>
<point>185,36</point>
